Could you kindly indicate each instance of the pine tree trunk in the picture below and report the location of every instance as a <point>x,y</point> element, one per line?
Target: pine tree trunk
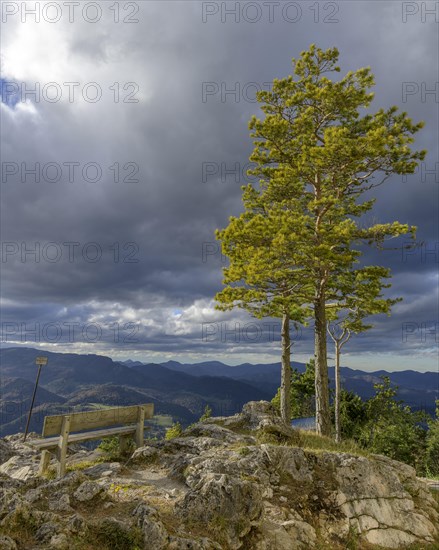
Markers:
<point>323,420</point>
<point>285,386</point>
<point>337,393</point>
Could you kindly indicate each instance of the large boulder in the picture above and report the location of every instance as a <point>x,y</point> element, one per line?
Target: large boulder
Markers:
<point>384,500</point>
<point>231,506</point>
<point>156,536</point>
<point>154,532</point>
<point>19,467</point>
<point>271,492</point>
<point>87,491</point>
<point>263,421</point>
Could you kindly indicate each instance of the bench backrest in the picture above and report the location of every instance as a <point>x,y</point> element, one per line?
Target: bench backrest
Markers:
<point>101,418</point>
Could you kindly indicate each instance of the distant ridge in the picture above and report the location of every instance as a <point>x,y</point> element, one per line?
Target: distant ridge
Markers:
<point>417,389</point>
<point>73,381</point>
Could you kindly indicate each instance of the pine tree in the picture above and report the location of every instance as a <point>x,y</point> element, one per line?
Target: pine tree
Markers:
<point>316,153</point>
<point>265,276</point>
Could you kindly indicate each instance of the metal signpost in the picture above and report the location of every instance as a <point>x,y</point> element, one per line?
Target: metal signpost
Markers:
<point>40,361</point>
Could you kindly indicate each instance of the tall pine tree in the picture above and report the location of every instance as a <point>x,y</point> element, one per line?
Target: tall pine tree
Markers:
<point>316,153</point>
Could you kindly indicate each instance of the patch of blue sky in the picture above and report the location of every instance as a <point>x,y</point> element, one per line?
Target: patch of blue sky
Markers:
<point>9,92</point>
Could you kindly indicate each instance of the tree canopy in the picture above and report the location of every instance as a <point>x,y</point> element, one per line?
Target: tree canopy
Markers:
<point>317,151</point>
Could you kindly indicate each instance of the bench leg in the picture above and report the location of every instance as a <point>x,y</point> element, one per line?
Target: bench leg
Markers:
<point>124,443</point>
<point>140,428</point>
<point>62,446</point>
<point>44,462</point>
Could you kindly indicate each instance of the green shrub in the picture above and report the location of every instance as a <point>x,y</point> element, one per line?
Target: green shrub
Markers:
<point>302,393</point>
<point>111,447</point>
<point>432,448</point>
<point>174,431</point>
<point>20,524</point>
<point>207,413</point>
<point>393,429</point>
<point>111,535</point>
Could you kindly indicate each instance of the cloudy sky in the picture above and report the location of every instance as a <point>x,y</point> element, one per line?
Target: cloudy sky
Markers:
<point>124,146</point>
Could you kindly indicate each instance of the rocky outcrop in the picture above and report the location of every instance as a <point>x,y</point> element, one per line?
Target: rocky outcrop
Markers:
<point>240,482</point>
<point>6,451</point>
<point>18,460</point>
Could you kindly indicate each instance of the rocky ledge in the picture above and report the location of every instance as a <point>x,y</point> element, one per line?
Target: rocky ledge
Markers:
<point>240,482</point>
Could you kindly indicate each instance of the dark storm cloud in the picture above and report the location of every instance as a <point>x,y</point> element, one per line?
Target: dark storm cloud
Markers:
<point>146,250</point>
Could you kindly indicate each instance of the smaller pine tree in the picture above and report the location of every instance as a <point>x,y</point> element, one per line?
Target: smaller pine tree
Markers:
<point>174,431</point>
<point>207,413</point>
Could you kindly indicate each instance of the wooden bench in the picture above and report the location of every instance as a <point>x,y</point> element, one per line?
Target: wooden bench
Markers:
<point>124,422</point>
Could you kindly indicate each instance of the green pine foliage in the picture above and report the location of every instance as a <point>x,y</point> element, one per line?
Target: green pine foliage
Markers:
<point>207,413</point>
<point>174,431</point>
<point>293,251</point>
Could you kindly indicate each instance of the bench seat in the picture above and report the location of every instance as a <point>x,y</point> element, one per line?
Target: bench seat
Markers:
<point>52,442</point>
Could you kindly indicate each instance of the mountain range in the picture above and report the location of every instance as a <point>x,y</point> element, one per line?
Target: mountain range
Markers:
<point>77,381</point>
